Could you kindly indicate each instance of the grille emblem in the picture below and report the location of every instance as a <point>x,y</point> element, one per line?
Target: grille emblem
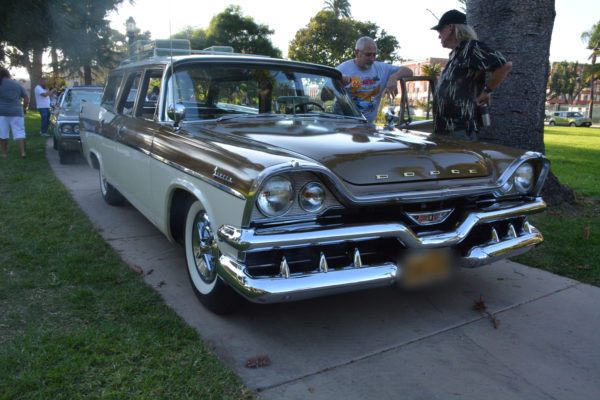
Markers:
<point>430,218</point>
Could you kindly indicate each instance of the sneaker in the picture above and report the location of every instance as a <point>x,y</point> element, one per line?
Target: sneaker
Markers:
<point>44,134</point>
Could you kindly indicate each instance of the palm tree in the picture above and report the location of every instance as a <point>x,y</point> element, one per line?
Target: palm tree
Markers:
<point>339,8</point>
<point>592,37</point>
<point>432,69</point>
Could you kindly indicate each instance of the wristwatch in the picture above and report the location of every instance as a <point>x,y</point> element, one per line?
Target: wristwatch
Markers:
<point>487,89</point>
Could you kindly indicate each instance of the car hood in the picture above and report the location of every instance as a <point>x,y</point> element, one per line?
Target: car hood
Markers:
<point>360,154</point>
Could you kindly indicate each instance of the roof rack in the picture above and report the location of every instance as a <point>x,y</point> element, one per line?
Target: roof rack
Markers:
<point>148,49</point>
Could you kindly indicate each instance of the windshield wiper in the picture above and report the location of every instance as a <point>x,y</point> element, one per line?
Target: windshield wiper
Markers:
<point>330,115</point>
<point>234,116</point>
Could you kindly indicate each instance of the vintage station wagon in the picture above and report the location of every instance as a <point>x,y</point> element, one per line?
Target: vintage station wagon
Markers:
<point>280,190</point>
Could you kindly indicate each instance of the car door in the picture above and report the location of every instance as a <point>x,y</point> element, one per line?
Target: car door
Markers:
<point>133,138</point>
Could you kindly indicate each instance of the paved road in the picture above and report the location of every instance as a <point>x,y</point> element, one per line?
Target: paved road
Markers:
<point>381,344</point>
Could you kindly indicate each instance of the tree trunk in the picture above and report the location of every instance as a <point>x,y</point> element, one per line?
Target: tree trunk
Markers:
<point>521,30</point>
<point>54,55</point>
<point>591,109</point>
<point>33,64</point>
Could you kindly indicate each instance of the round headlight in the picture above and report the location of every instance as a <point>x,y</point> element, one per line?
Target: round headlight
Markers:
<point>276,196</point>
<point>524,178</point>
<point>312,197</point>
<point>76,129</point>
<point>66,128</point>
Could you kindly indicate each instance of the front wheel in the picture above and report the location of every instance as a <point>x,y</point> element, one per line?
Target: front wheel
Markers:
<point>552,123</point>
<point>201,255</point>
<point>572,124</point>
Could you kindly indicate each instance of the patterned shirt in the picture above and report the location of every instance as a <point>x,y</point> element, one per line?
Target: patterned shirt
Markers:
<point>461,81</point>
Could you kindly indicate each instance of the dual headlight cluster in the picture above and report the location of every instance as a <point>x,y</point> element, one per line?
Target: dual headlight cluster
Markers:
<point>522,180</point>
<point>277,196</point>
<point>72,129</point>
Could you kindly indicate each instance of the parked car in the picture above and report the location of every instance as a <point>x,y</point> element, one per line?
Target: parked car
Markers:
<point>64,119</point>
<point>570,118</point>
<point>276,197</point>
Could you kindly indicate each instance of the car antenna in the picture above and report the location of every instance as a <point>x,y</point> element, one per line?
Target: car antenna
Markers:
<point>434,16</point>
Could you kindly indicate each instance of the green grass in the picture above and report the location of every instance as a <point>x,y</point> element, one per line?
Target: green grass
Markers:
<point>76,322</point>
<point>571,235</point>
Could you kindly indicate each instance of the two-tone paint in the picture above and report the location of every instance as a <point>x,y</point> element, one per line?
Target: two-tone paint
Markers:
<point>224,163</point>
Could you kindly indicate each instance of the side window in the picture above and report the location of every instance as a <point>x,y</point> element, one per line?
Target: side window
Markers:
<point>68,99</point>
<point>111,91</point>
<point>129,94</point>
<point>151,88</point>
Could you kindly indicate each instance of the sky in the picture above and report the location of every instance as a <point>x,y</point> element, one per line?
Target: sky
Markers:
<point>407,20</point>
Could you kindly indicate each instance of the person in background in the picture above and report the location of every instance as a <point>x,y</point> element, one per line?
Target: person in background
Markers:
<point>462,91</point>
<point>12,112</point>
<point>42,101</point>
<point>368,80</point>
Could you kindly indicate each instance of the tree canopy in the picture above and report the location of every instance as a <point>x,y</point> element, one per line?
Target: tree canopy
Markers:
<point>340,8</point>
<point>78,29</point>
<point>566,81</point>
<point>330,41</point>
<point>232,28</point>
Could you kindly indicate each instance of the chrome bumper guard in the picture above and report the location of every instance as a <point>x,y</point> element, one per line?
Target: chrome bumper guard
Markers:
<point>291,287</point>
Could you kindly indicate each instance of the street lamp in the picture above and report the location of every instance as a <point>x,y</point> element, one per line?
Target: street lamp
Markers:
<point>130,27</point>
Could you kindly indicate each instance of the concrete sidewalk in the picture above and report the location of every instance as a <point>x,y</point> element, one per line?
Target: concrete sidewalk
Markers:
<point>385,343</point>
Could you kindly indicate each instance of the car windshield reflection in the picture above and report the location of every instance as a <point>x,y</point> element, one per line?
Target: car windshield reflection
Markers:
<point>217,92</point>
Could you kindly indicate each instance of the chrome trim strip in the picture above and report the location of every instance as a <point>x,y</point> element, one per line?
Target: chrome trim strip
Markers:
<point>196,175</point>
<point>248,239</point>
<point>307,285</point>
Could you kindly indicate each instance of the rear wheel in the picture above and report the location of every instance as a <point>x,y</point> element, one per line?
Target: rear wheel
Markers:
<point>111,195</point>
<point>551,123</point>
<point>201,254</point>
<point>572,124</point>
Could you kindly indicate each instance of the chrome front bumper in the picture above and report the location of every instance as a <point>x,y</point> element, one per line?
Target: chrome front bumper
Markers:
<point>289,287</point>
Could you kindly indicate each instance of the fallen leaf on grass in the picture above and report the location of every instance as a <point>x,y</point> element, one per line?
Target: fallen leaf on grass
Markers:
<point>258,362</point>
<point>586,267</point>
<point>586,230</point>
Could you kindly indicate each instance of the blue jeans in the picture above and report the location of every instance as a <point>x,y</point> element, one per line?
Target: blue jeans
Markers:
<point>45,114</point>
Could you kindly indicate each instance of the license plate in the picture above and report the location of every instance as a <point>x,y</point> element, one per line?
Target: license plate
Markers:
<point>422,268</point>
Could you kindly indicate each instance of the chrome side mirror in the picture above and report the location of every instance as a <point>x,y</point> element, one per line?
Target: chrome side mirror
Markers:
<point>176,113</point>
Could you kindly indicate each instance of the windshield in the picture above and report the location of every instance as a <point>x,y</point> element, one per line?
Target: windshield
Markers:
<point>75,97</point>
<point>214,91</point>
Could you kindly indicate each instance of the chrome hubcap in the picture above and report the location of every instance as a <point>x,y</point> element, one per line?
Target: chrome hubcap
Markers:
<point>202,248</point>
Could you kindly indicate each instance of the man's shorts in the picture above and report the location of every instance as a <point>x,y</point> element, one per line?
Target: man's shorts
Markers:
<point>14,124</point>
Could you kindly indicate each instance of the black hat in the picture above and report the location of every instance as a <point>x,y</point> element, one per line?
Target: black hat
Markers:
<point>451,17</point>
